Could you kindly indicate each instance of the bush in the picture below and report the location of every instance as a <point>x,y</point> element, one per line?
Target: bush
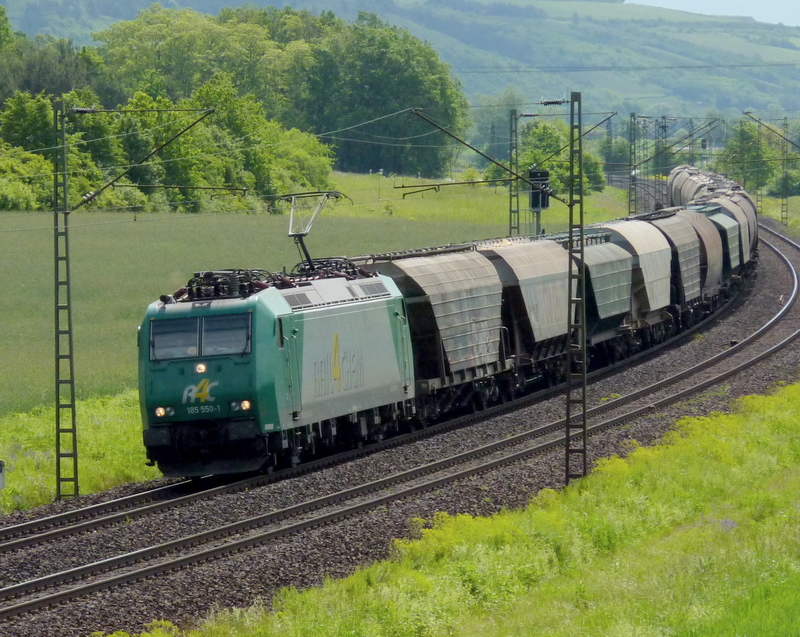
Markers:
<point>16,196</point>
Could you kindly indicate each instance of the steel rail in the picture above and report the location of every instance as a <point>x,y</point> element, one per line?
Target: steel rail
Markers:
<point>66,517</point>
<point>93,517</point>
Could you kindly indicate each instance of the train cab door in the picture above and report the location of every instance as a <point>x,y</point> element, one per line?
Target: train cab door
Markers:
<point>291,364</point>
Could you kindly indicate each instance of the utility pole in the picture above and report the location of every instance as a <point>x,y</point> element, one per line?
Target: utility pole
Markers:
<point>66,431</point>
<point>513,163</point>
<point>662,168</point>
<point>632,169</point>
<point>785,176</point>
<point>576,457</point>
<point>760,191</point>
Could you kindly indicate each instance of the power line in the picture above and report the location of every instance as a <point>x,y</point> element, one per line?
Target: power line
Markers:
<point>604,69</point>
<point>18,150</point>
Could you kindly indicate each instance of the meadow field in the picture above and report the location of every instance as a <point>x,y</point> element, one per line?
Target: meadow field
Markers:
<point>121,262</point>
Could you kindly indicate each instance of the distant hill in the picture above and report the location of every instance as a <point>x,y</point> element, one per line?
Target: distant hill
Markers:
<point>622,57</point>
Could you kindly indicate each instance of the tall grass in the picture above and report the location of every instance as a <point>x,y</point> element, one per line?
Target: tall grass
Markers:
<point>696,536</point>
<point>772,209</point>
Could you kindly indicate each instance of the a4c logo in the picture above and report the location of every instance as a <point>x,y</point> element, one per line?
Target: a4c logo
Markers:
<point>201,392</point>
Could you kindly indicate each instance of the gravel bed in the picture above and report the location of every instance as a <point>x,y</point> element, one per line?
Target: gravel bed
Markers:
<point>338,549</point>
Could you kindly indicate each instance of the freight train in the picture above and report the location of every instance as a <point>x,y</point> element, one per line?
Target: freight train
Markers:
<point>246,370</point>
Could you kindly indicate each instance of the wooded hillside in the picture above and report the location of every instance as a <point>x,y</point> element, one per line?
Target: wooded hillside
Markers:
<point>624,57</point>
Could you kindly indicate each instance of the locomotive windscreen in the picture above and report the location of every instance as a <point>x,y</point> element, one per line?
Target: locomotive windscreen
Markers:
<point>174,338</point>
<point>224,334</point>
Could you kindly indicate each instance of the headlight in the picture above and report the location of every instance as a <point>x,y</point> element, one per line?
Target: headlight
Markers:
<point>241,405</point>
<point>164,411</point>
<point>201,368</point>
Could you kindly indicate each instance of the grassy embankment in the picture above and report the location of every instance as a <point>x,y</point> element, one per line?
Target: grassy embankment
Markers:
<point>120,263</point>
<point>697,536</point>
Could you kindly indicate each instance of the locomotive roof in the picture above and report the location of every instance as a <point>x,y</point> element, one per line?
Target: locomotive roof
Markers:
<point>321,292</point>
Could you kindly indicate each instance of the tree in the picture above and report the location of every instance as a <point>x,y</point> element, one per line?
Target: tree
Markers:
<point>747,157</point>
<point>615,152</point>
<point>27,121</point>
<point>787,183</point>
<point>98,131</point>
<point>492,122</point>
<point>545,144</point>
<point>5,29</point>
<point>183,47</point>
<point>272,160</point>
<point>314,73</point>
<point>47,64</point>
<point>368,71</point>
<point>27,179</point>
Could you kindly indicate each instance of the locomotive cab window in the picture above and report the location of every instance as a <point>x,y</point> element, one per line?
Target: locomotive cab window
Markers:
<point>222,335</point>
<point>175,338</point>
<point>226,334</point>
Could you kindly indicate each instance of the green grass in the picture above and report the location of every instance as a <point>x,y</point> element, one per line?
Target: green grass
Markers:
<point>696,536</point>
<point>110,450</point>
<point>772,209</point>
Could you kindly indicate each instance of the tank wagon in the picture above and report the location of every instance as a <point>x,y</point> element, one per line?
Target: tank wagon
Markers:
<point>244,370</point>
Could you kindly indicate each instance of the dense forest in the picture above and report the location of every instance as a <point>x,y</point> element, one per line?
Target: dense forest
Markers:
<point>268,74</point>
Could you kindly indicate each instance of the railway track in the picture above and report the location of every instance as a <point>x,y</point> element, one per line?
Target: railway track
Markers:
<point>241,535</point>
<point>122,510</point>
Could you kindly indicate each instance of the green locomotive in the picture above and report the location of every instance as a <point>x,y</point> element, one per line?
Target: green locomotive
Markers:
<point>243,370</point>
